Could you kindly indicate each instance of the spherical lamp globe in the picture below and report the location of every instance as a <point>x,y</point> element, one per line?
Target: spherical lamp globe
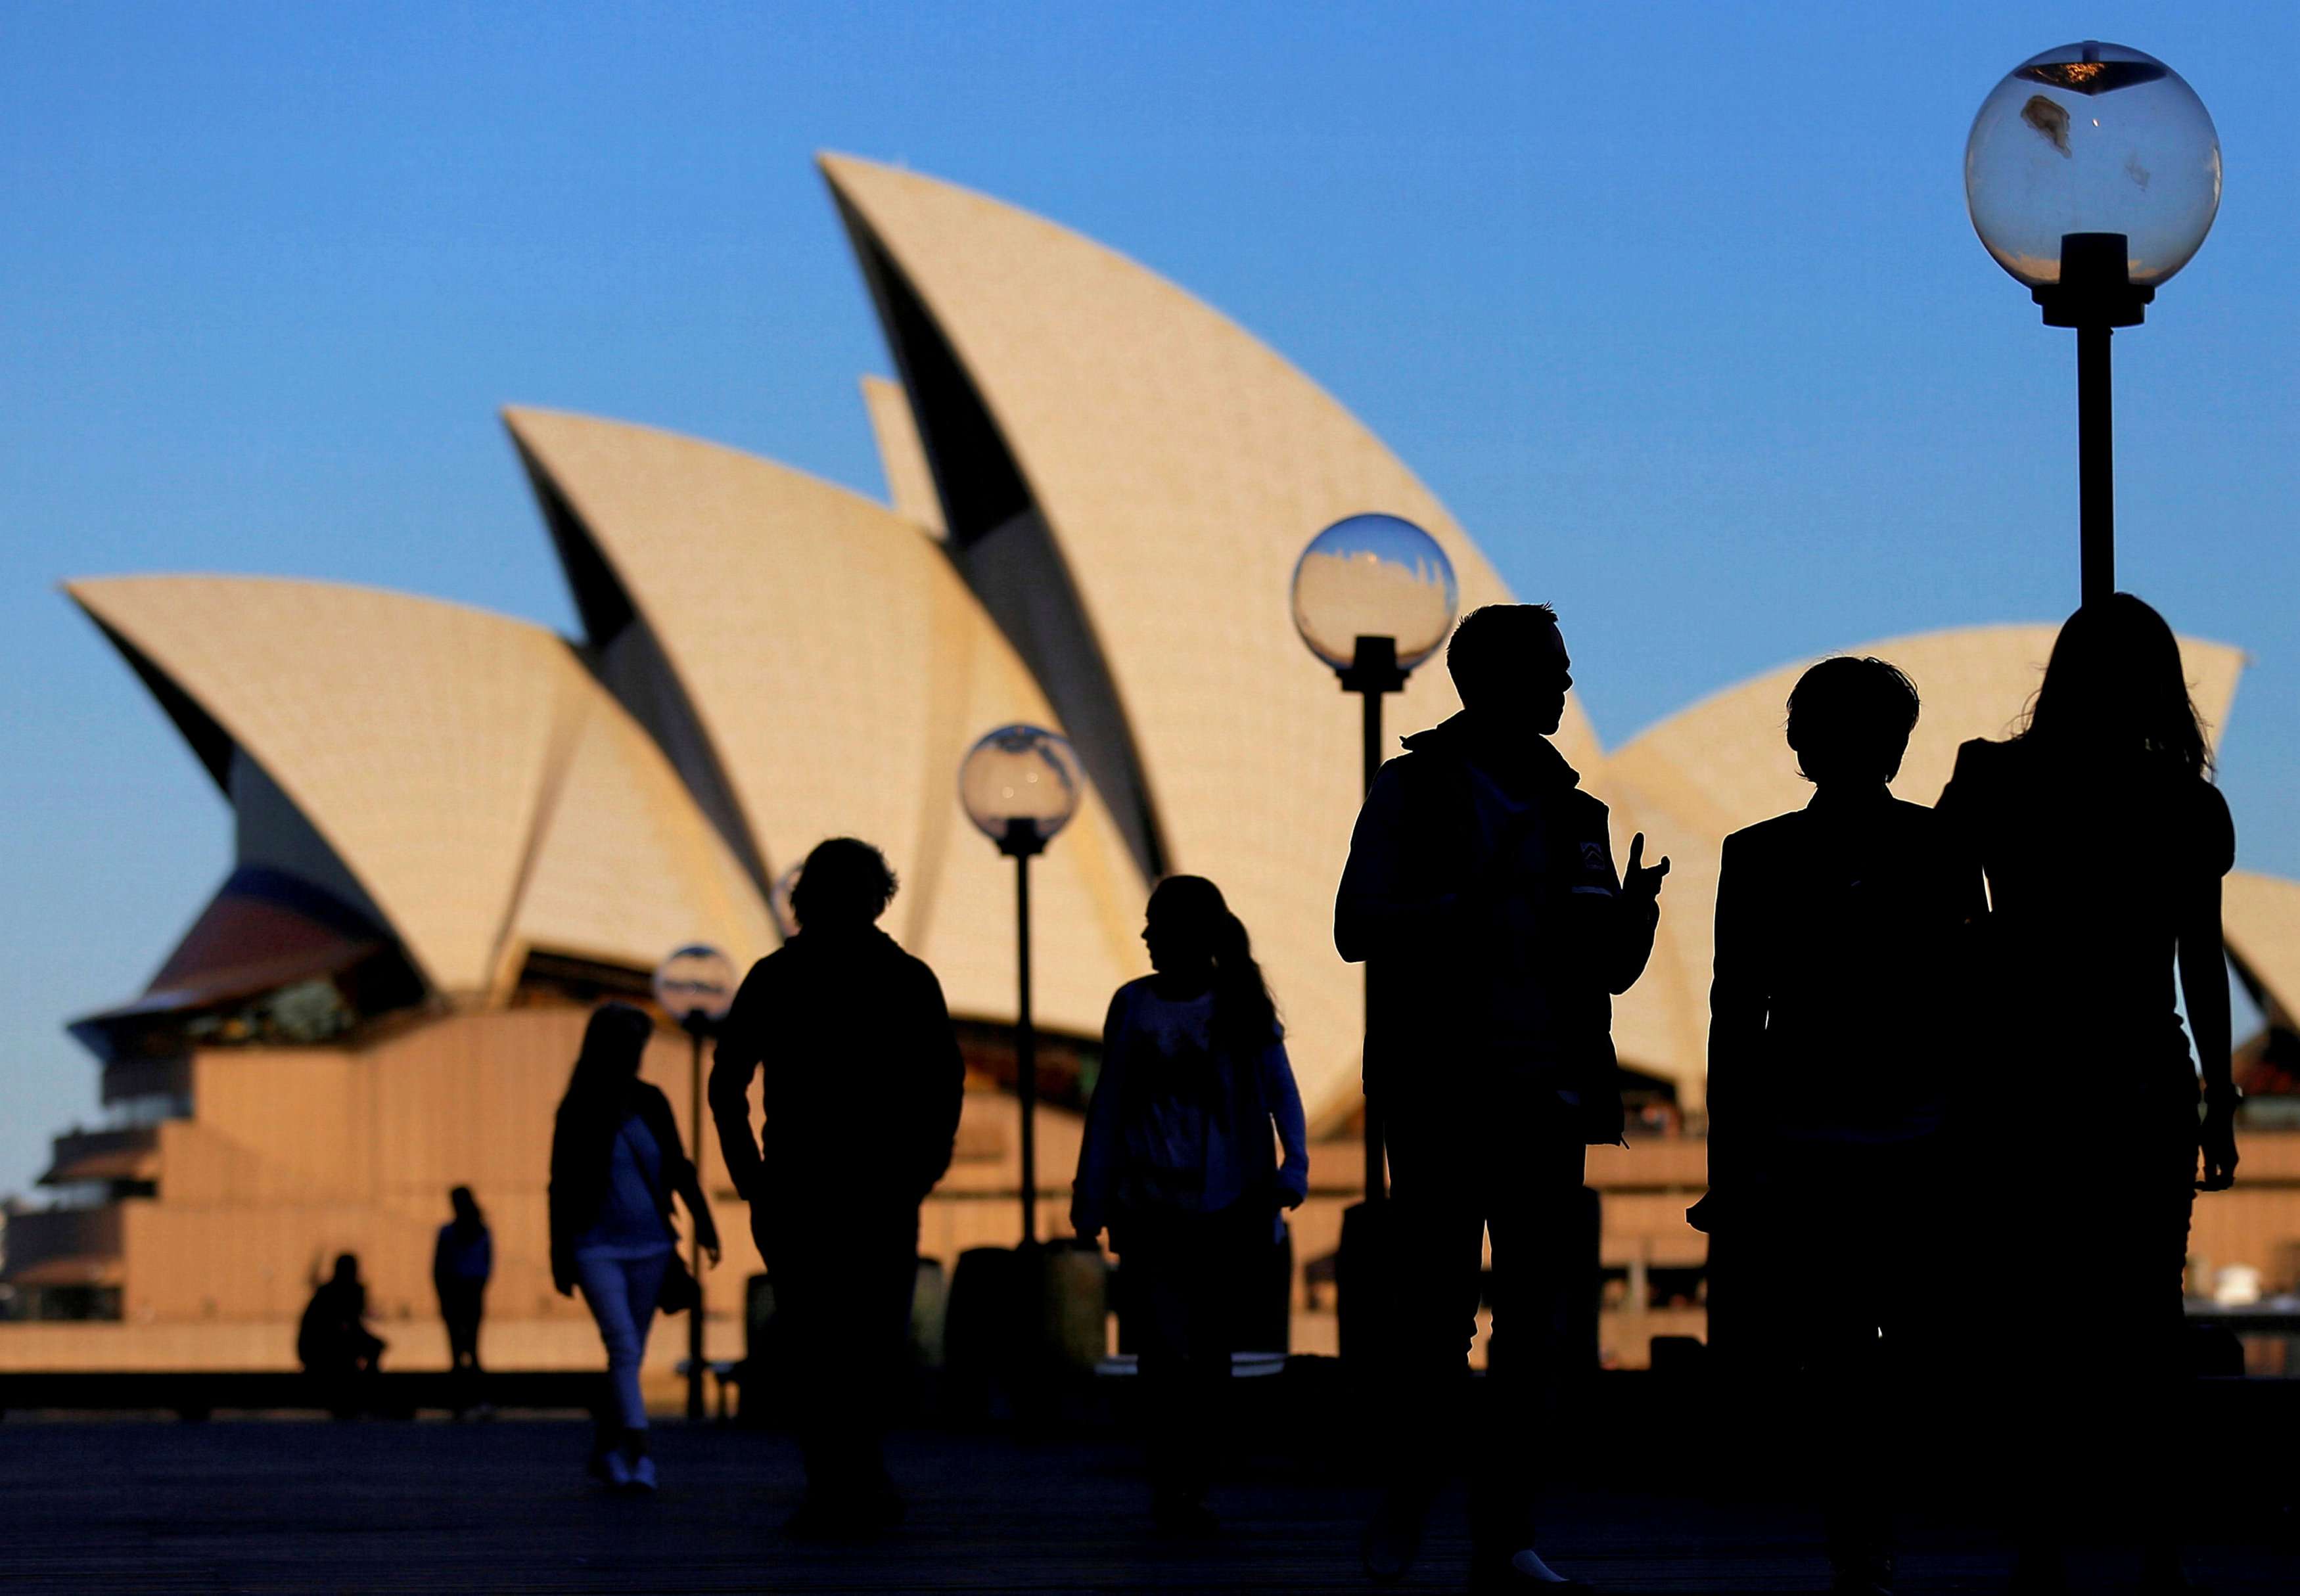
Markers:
<point>1374,576</point>
<point>2092,138</point>
<point>696,984</point>
<point>1020,782</point>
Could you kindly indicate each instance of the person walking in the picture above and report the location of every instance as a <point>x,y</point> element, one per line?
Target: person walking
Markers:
<point>1481,894</point>
<point>616,1160</point>
<point>1180,1163</point>
<point>1839,1012</point>
<point>2104,842</point>
<point>463,1258</point>
<point>861,1081</point>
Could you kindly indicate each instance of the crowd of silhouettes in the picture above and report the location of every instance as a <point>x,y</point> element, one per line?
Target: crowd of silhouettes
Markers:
<point>1928,1026</point>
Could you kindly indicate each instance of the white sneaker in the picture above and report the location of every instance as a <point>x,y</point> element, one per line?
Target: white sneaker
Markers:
<point>642,1475</point>
<point>614,1469</point>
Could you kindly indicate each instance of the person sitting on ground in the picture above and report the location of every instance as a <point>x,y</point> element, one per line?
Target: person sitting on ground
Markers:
<point>861,1081</point>
<point>1180,1162</point>
<point>333,1343</point>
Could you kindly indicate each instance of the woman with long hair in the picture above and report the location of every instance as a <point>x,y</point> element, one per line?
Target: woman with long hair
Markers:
<point>462,1258</point>
<point>1181,1161</point>
<point>615,1161</point>
<point>2104,842</point>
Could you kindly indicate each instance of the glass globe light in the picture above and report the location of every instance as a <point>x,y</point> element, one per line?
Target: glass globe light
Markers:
<point>1374,576</point>
<point>696,983</point>
<point>1022,773</point>
<point>2092,138</point>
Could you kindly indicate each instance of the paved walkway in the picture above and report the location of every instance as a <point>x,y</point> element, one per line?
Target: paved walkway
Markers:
<point>309,1506</point>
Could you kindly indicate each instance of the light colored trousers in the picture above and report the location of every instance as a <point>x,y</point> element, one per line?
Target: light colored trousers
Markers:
<point>621,1292</point>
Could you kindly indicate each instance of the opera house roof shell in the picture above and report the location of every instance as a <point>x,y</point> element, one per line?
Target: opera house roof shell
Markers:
<point>1098,488</point>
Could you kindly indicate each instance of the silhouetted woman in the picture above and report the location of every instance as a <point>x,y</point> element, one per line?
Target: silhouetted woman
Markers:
<point>615,1161</point>
<point>462,1259</point>
<point>1180,1162</point>
<point>2104,842</point>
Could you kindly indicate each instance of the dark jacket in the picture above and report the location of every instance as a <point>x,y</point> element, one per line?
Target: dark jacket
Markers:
<point>861,1081</point>
<point>1841,1007</point>
<point>583,1146</point>
<point>1428,901</point>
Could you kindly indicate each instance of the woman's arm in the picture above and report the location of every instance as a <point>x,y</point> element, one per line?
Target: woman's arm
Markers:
<point>1284,1097</point>
<point>1098,1147</point>
<point>2205,993</point>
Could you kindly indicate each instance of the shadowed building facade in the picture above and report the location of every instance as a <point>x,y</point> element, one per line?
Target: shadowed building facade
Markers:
<point>454,831</point>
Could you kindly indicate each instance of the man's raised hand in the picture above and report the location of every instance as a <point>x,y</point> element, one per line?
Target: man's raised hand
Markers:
<point>1641,880</point>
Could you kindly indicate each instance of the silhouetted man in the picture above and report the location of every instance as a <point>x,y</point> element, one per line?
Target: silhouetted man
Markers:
<point>1840,1012</point>
<point>1480,890</point>
<point>333,1343</point>
<point>862,1086</point>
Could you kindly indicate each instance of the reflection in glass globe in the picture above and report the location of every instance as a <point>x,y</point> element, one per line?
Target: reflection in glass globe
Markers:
<point>1374,576</point>
<point>1020,773</point>
<point>697,981</point>
<point>2092,138</point>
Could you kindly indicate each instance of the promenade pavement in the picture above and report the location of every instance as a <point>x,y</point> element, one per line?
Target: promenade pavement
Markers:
<point>306,1506</point>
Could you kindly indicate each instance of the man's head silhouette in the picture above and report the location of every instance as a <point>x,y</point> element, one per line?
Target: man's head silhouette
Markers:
<point>843,884</point>
<point>1850,720</point>
<point>1509,664</point>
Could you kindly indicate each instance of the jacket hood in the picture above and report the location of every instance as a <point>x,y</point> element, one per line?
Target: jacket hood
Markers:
<point>1452,738</point>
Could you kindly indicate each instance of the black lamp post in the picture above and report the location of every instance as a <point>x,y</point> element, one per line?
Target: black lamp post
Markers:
<point>1019,785</point>
<point>695,987</point>
<point>2092,175</point>
<point>1373,596</point>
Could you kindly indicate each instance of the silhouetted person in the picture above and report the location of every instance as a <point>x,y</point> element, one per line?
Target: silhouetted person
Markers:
<point>2104,842</point>
<point>462,1259</point>
<point>861,1083</point>
<point>615,1161</point>
<point>1480,890</point>
<point>1180,1163</point>
<point>1839,1022</point>
<point>333,1343</point>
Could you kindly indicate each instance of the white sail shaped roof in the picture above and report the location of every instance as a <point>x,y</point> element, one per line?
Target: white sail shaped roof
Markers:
<point>487,795</point>
<point>910,480</point>
<point>1722,764</point>
<point>840,670</point>
<point>2260,919</point>
<point>1180,466</point>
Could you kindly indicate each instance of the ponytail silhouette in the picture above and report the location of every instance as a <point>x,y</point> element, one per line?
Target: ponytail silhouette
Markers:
<point>1246,1017</point>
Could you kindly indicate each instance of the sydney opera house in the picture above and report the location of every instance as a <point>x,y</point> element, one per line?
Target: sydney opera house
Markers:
<point>455,830</point>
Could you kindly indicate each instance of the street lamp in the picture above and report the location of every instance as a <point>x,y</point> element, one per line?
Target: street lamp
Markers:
<point>695,987</point>
<point>1019,785</point>
<point>1373,597</point>
<point>2092,174</point>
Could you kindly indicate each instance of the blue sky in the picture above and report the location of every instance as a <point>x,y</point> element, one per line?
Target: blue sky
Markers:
<point>1676,307</point>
